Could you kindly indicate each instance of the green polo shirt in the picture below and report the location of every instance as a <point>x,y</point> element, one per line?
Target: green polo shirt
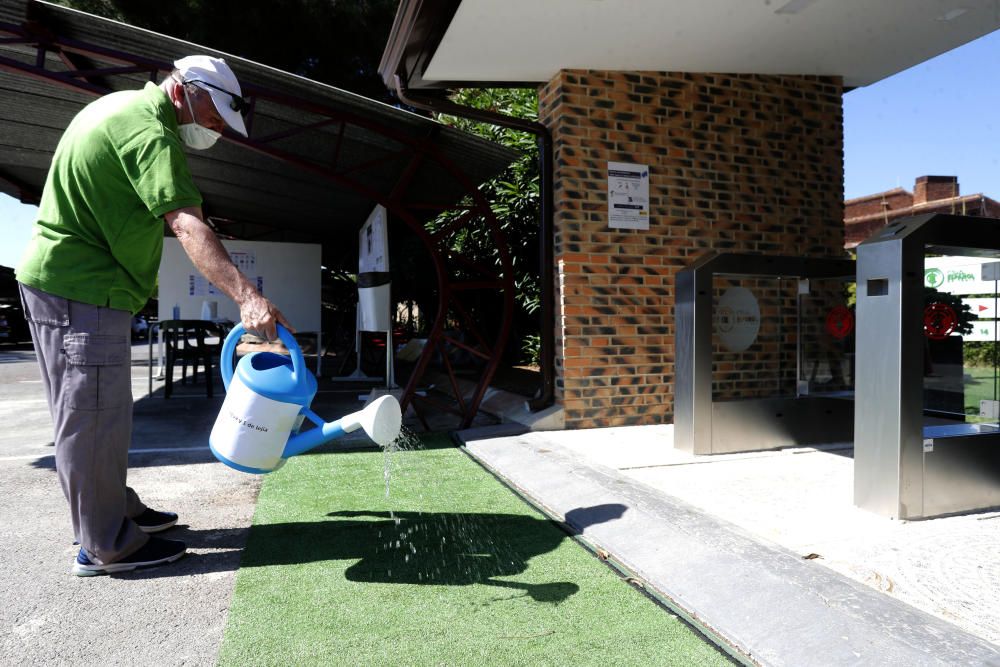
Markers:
<point>119,167</point>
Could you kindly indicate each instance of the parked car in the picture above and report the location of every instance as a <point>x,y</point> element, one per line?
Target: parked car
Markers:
<point>140,328</point>
<point>13,326</point>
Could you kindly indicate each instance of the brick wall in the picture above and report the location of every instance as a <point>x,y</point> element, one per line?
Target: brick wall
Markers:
<point>932,188</point>
<point>893,200</point>
<point>742,163</point>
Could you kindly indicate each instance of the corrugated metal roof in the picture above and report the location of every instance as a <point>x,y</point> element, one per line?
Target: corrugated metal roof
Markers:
<point>239,183</point>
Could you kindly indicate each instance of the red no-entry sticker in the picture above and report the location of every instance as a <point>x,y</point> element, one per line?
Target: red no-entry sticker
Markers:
<point>840,322</point>
<point>939,321</point>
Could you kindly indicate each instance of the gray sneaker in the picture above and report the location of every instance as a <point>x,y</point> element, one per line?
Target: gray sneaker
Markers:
<point>156,551</point>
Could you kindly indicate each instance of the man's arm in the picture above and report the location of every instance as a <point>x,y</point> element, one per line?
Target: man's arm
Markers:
<point>211,259</point>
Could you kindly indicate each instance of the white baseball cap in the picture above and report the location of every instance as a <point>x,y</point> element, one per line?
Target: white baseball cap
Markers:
<point>214,75</point>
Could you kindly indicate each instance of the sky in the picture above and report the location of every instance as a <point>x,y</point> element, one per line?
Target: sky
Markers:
<point>938,118</point>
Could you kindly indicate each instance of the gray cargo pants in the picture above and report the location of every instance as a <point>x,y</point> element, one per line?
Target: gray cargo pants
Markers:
<point>85,357</point>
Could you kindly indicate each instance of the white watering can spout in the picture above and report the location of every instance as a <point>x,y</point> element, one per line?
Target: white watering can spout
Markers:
<point>381,421</point>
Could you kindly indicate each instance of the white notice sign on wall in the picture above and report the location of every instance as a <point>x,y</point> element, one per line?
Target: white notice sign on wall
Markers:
<point>628,196</point>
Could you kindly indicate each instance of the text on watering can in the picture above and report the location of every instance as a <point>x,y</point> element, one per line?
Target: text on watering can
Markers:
<point>244,422</point>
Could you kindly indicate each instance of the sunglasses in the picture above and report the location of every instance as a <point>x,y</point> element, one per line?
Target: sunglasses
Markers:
<point>236,103</point>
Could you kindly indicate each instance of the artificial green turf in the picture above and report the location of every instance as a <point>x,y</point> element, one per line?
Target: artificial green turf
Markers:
<point>979,385</point>
<point>451,569</point>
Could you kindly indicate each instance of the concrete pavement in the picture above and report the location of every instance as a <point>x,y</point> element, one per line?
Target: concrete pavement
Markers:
<point>173,615</point>
<point>765,550</point>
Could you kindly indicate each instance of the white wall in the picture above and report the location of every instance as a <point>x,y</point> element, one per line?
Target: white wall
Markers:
<point>288,272</point>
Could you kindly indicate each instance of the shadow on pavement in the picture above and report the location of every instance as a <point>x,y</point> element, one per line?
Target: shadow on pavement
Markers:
<point>445,548</point>
<point>426,548</point>
<point>229,541</point>
<point>160,425</point>
<point>417,548</point>
<point>9,355</point>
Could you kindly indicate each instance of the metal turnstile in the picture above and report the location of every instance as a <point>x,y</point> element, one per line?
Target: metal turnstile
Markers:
<point>927,441</point>
<point>764,353</point>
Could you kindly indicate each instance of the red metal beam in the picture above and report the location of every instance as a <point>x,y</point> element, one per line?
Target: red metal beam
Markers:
<point>468,348</point>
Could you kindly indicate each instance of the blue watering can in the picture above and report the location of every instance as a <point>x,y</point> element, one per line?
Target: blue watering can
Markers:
<point>268,398</point>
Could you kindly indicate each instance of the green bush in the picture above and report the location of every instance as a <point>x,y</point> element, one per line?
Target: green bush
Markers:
<point>531,346</point>
<point>981,353</point>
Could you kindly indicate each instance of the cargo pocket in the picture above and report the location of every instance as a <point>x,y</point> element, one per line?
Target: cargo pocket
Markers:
<point>44,308</point>
<point>98,371</point>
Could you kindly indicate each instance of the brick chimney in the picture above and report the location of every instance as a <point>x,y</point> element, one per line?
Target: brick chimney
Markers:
<point>933,188</point>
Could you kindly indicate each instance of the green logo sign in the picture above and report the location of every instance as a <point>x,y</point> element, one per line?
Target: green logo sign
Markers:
<point>933,277</point>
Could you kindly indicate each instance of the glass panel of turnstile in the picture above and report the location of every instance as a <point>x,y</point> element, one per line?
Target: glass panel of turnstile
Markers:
<point>782,355</point>
<point>826,338</point>
<point>960,344</point>
<point>753,346</point>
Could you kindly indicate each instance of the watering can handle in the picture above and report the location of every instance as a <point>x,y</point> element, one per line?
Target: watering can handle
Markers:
<point>229,348</point>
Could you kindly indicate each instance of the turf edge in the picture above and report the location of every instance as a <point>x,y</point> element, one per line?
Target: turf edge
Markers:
<point>631,578</point>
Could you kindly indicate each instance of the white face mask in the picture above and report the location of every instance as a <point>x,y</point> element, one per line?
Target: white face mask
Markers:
<point>194,135</point>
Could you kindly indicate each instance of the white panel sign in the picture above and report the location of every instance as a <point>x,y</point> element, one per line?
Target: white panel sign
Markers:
<point>737,319</point>
<point>286,273</point>
<point>958,275</point>
<point>984,308</point>
<point>628,196</point>
<point>373,243</point>
<point>983,331</point>
<point>965,275</point>
<point>245,261</point>
<point>198,285</point>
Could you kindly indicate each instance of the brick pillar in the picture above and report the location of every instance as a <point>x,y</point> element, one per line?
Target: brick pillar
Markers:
<point>742,163</point>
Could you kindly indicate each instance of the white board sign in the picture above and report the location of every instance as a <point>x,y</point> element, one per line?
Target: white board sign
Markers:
<point>984,331</point>
<point>286,273</point>
<point>959,275</point>
<point>628,195</point>
<point>968,276</point>
<point>373,243</point>
<point>982,308</point>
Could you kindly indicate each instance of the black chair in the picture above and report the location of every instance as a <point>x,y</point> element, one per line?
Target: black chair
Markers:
<point>187,342</point>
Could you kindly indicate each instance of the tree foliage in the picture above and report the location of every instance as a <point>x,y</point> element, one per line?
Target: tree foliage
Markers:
<point>514,199</point>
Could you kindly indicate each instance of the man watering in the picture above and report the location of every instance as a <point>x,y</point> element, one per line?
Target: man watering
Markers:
<point>119,171</point>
